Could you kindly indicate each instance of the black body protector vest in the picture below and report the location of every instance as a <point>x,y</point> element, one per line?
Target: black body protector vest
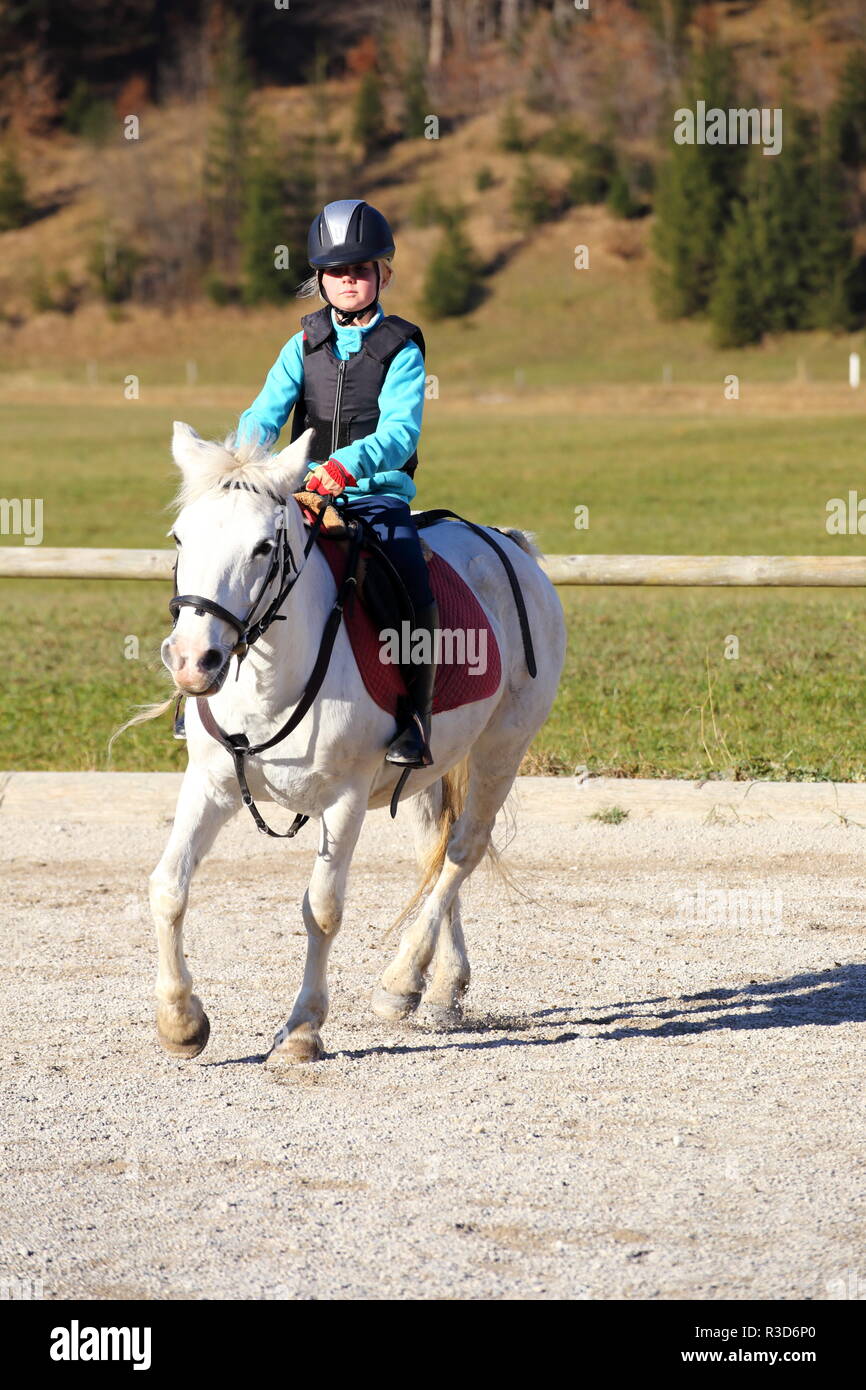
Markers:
<point>340,400</point>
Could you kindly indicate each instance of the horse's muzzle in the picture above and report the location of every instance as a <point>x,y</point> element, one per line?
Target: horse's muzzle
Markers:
<point>196,673</point>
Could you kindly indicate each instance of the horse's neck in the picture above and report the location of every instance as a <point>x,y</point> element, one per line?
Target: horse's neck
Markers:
<point>277,670</point>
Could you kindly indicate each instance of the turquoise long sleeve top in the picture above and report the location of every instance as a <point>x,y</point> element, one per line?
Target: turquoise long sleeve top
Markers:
<point>376,460</point>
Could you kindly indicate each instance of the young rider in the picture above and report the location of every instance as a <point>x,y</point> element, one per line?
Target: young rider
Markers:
<point>357,376</point>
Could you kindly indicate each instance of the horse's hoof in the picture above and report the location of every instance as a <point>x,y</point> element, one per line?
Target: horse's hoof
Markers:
<point>303,1046</point>
<point>182,1037</point>
<point>439,1018</point>
<point>393,1007</point>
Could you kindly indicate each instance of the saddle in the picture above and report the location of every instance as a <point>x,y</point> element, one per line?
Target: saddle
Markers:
<point>378,585</point>
<point>384,605</point>
<point>458,682</point>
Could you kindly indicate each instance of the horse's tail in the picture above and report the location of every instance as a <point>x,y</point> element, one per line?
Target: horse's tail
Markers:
<point>455,784</point>
<point>145,712</point>
<point>525,539</point>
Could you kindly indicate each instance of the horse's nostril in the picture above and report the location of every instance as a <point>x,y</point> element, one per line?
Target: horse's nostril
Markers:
<point>212,659</point>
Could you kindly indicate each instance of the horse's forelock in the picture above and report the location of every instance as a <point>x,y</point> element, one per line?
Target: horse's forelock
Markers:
<point>224,463</point>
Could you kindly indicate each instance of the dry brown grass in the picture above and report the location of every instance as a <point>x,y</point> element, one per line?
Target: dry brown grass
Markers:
<point>626,240</point>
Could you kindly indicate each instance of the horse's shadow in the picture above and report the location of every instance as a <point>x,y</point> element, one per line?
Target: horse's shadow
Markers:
<point>823,998</point>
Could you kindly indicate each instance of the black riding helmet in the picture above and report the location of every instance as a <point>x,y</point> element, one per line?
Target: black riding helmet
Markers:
<point>346,233</point>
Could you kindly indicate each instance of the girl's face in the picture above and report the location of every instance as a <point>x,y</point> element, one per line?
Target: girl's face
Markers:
<point>353,286</point>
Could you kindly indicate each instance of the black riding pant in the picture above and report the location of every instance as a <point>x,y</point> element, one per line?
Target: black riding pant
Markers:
<point>392,521</point>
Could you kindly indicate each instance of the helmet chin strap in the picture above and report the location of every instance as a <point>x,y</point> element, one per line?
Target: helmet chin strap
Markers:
<point>347,316</point>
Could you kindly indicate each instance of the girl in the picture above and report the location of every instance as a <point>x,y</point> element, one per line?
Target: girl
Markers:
<point>357,377</point>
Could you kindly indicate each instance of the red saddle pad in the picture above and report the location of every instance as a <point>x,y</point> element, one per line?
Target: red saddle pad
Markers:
<point>457,681</point>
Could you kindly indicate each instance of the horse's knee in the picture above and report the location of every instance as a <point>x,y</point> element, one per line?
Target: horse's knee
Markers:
<point>322,912</point>
<point>166,903</point>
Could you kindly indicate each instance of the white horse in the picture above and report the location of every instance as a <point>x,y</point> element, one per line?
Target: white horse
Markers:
<point>331,767</point>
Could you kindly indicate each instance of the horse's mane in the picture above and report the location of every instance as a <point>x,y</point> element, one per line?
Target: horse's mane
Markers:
<point>222,464</point>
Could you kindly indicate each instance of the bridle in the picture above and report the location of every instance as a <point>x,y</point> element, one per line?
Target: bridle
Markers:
<point>283,563</point>
<point>250,629</point>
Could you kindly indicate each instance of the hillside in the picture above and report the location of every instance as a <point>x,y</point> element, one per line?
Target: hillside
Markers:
<point>541,322</point>
<point>560,387</point>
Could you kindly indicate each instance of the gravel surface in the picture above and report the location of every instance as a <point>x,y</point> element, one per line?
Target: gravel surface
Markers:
<point>657,1092</point>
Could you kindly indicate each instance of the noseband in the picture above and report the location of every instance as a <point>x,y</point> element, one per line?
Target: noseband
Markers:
<point>283,563</point>
<point>249,631</point>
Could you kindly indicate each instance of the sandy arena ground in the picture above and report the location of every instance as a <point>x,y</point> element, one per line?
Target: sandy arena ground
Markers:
<point>657,1093</point>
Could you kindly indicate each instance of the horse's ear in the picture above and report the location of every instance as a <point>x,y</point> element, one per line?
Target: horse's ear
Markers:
<point>186,447</point>
<point>289,466</point>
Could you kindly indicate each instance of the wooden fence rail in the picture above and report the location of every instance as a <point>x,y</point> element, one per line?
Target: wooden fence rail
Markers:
<point>839,571</point>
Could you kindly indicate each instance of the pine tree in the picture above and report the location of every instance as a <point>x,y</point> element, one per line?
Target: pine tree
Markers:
<point>452,284</point>
<point>848,112</point>
<point>833,290</point>
<point>735,307</point>
<point>531,200</point>
<point>787,258</point>
<point>590,179</point>
<point>228,149</point>
<point>619,198</point>
<point>690,214</point>
<point>695,192</point>
<point>782,201</point>
<point>14,205</point>
<point>263,231</point>
<point>369,123</point>
<point>113,265</point>
<point>511,137</point>
<point>416,106</point>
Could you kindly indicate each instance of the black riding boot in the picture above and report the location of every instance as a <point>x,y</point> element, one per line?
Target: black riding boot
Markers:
<point>411,747</point>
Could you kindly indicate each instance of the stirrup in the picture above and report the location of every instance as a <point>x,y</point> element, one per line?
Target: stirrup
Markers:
<point>416,749</point>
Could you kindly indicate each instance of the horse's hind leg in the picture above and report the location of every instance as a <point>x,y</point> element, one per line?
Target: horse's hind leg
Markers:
<point>181,1023</point>
<point>403,983</point>
<point>436,939</point>
<point>442,1002</point>
<point>442,1006</point>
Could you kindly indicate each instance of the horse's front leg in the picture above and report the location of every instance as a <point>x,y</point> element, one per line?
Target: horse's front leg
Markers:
<point>181,1023</point>
<point>298,1040</point>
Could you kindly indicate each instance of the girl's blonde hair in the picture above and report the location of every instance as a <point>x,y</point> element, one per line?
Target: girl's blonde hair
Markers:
<point>310,287</point>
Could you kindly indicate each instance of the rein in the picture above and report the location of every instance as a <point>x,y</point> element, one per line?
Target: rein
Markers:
<point>249,631</point>
<point>238,745</point>
<point>282,561</point>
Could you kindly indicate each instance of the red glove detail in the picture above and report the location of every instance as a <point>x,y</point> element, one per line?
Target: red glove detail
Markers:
<point>340,474</point>
<point>335,472</point>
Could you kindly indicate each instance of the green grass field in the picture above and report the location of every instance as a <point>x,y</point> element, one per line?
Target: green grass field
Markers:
<point>647,688</point>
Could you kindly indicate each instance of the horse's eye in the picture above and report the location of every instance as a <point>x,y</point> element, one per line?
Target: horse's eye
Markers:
<point>263,548</point>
